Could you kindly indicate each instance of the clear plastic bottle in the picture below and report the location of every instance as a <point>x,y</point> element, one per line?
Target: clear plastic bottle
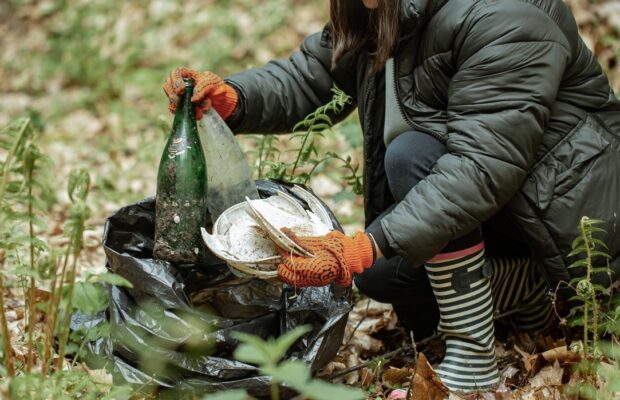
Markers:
<point>229,177</point>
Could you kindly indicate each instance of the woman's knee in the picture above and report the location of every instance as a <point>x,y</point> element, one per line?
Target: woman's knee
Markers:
<point>409,158</point>
<point>368,285</point>
<point>394,281</point>
<point>381,281</point>
<point>398,155</point>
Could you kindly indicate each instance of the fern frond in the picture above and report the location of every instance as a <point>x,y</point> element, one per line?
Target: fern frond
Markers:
<point>579,264</point>
<point>578,250</point>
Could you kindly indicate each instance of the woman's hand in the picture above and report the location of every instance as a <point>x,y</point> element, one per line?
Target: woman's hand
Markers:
<point>336,258</point>
<point>210,90</point>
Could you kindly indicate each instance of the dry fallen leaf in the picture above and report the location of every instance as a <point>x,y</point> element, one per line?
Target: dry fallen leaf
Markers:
<point>545,393</point>
<point>560,354</point>
<point>352,360</point>
<point>395,376</point>
<point>100,376</point>
<point>331,368</point>
<point>365,343</point>
<point>368,377</point>
<point>426,384</point>
<point>550,375</point>
<point>534,363</point>
<point>526,358</point>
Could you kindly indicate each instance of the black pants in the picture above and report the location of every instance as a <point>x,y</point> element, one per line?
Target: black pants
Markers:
<point>409,159</point>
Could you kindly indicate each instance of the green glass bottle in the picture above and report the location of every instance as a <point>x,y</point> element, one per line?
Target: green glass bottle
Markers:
<point>180,208</point>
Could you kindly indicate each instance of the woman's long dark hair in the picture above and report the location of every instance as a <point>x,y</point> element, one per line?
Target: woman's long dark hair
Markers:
<point>354,26</point>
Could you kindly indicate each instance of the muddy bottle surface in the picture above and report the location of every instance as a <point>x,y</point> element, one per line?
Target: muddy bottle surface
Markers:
<point>180,208</point>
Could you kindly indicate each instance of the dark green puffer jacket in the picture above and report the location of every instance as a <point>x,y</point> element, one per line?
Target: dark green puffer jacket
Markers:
<point>528,117</point>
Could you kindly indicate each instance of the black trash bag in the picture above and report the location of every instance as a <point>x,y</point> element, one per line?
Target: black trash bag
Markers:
<point>151,322</point>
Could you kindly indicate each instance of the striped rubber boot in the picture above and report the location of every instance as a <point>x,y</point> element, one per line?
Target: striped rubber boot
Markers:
<point>463,295</point>
<point>516,284</point>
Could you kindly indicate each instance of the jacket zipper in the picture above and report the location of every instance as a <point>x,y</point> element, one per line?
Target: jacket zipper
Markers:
<point>401,108</point>
<point>370,79</point>
<point>368,133</point>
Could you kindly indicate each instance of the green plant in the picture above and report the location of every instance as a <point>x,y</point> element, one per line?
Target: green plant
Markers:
<point>307,156</point>
<point>267,148</point>
<point>17,181</point>
<point>64,385</point>
<point>294,374</point>
<point>315,124</point>
<point>28,261</point>
<point>600,376</point>
<point>237,394</point>
<point>599,365</point>
<point>587,291</point>
<point>353,177</point>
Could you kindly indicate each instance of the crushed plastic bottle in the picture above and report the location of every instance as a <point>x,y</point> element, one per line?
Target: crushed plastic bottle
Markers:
<point>229,177</point>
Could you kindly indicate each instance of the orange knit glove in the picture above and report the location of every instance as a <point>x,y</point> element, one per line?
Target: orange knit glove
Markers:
<point>210,90</point>
<point>336,258</point>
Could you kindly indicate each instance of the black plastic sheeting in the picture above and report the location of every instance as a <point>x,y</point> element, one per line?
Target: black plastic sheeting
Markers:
<point>153,317</point>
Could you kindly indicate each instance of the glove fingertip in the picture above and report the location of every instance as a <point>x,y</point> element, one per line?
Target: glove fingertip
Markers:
<point>179,89</point>
<point>199,98</point>
<point>335,234</point>
<point>166,86</point>
<point>184,72</point>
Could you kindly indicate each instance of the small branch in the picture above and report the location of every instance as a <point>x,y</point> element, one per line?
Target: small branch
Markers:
<point>415,366</point>
<point>6,334</point>
<point>275,390</point>
<point>31,290</point>
<point>55,297</point>
<point>366,363</point>
<point>64,337</point>
<point>586,242</point>
<point>358,324</point>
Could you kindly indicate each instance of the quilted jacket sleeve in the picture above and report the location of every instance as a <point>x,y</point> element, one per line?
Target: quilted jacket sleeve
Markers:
<point>280,94</point>
<point>510,60</point>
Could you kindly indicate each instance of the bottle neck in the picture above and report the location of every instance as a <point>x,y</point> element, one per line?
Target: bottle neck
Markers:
<point>185,109</point>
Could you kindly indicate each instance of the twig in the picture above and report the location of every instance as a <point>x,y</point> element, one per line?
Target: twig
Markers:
<point>388,355</point>
<point>32,302</point>
<point>51,318</point>
<point>358,324</point>
<point>6,335</point>
<point>366,363</point>
<point>64,337</point>
<point>415,365</point>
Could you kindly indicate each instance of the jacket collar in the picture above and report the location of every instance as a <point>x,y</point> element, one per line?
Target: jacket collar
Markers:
<point>415,13</point>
